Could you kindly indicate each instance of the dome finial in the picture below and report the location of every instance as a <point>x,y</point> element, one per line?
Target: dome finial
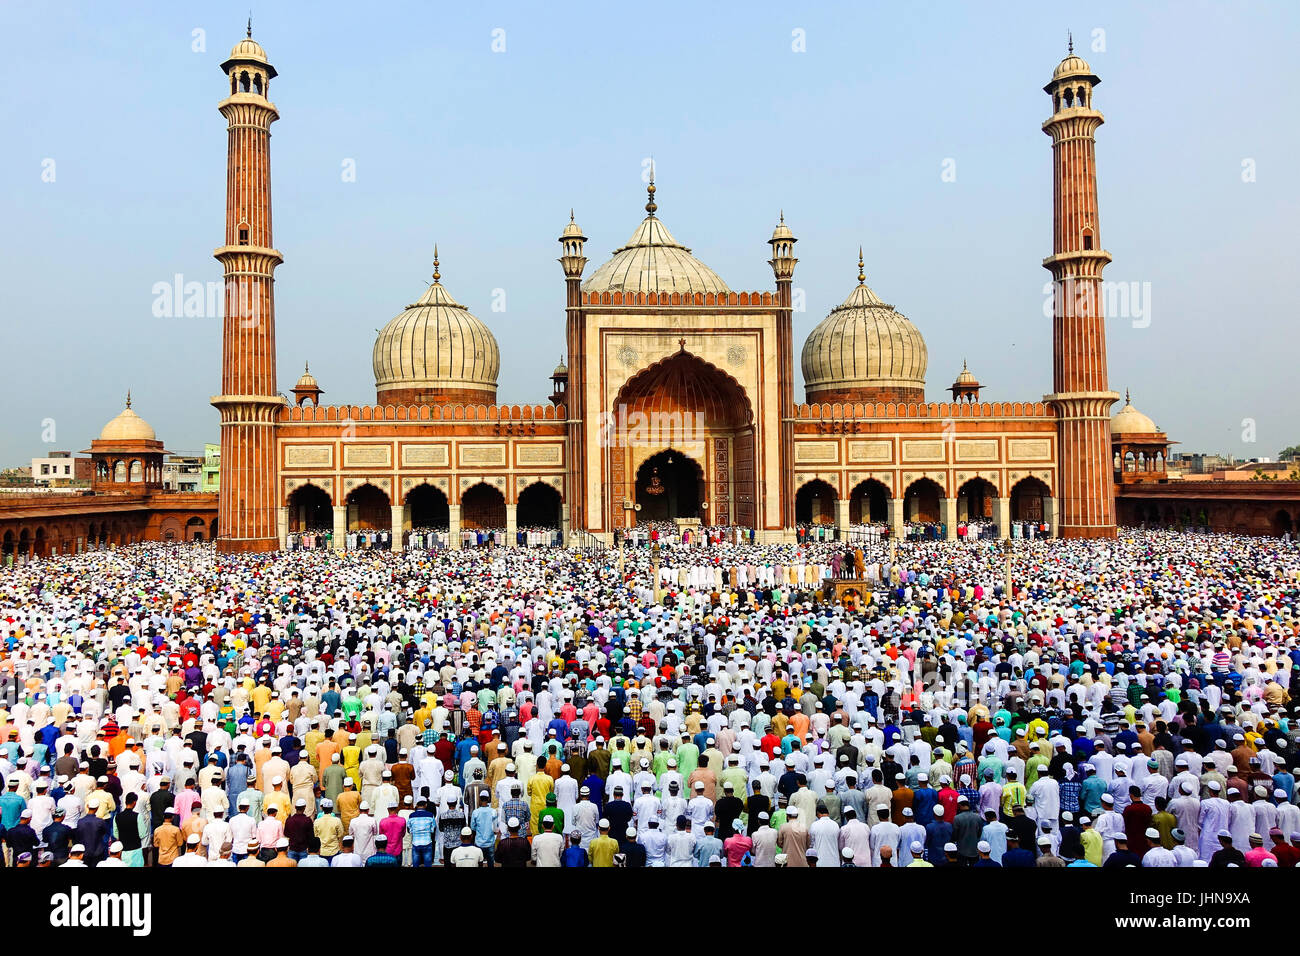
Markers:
<point>570,214</point>
<point>250,24</point>
<point>650,205</point>
<point>963,366</point>
<point>1127,400</point>
<point>128,398</point>
<point>862,275</point>
<point>436,274</point>
<point>306,368</point>
<point>1070,45</point>
<point>783,215</point>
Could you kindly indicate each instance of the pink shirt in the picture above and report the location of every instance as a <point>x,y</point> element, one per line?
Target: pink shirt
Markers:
<point>394,828</point>
<point>269,832</point>
<point>736,847</point>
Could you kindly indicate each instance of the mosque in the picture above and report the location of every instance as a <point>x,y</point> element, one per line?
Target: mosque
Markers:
<point>675,400</point>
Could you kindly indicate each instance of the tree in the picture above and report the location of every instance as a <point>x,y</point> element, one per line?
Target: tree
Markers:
<point>1291,451</point>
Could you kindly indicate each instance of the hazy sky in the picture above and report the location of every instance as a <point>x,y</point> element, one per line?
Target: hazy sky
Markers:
<point>485,152</point>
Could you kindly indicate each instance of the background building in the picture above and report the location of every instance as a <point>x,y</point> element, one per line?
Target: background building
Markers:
<point>61,468</point>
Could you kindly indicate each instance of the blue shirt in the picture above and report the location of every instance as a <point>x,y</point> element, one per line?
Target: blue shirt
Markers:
<point>11,809</point>
<point>420,825</point>
<point>484,825</point>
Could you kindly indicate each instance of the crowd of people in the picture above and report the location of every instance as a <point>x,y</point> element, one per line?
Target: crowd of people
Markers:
<point>693,703</point>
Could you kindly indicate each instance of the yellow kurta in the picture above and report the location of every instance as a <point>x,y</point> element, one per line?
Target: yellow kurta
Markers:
<point>539,785</point>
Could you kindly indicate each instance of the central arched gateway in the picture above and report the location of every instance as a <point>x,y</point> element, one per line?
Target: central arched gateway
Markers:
<point>679,442</point>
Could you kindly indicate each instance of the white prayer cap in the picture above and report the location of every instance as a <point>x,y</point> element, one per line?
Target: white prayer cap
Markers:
<point>984,846</point>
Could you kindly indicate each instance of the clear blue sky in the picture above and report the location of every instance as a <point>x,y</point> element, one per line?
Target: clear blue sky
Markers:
<point>484,153</point>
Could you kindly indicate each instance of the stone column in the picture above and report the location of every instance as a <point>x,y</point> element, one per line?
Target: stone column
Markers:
<point>284,528</point>
<point>453,526</point>
<point>399,521</point>
<point>896,518</point>
<point>1002,516</point>
<point>842,516</point>
<point>512,523</point>
<point>948,514</point>
<point>340,527</point>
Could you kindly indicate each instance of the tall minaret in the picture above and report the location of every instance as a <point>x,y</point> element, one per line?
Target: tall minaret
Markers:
<point>783,262</point>
<point>573,261</point>
<point>249,401</point>
<point>1081,393</point>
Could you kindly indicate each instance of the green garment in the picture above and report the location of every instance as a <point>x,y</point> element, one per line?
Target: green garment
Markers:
<point>553,813</point>
<point>1034,766</point>
<point>688,758</point>
<point>332,778</point>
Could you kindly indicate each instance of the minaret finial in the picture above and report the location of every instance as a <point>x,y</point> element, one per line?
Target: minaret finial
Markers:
<point>1127,400</point>
<point>782,216</point>
<point>306,368</point>
<point>650,205</point>
<point>1070,36</point>
<point>250,24</point>
<point>436,274</point>
<point>862,275</point>
<point>570,214</point>
<point>128,398</point>
<point>963,366</point>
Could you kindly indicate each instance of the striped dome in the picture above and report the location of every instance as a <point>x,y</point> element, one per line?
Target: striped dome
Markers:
<point>436,345</point>
<point>864,350</point>
<point>653,261</point>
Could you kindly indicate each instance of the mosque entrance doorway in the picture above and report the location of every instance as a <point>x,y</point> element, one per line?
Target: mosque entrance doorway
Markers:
<point>695,424</point>
<point>310,509</point>
<point>429,508</point>
<point>668,486</point>
<point>368,509</point>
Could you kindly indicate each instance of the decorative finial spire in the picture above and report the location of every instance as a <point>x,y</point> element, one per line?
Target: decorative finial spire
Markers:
<point>782,217</point>
<point>963,365</point>
<point>250,24</point>
<point>650,205</point>
<point>570,214</point>
<point>1070,35</point>
<point>436,274</point>
<point>128,398</point>
<point>862,275</point>
<point>306,368</point>
<point>1127,400</point>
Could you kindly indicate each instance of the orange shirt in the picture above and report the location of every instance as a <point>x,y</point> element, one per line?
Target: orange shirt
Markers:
<point>167,840</point>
